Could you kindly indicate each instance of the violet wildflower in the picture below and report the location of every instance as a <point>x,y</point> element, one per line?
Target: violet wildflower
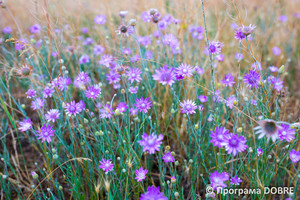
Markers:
<point>20,44</point>
<point>123,13</point>
<point>63,83</point>
<point>88,41</point>
<point>149,55</point>
<point>48,91</point>
<point>278,84</point>
<point>234,143</point>
<point>259,151</point>
<point>202,98</point>
<point>144,40</point>
<point>34,175</point>
<point>218,137</point>
<point>188,107</point>
<point>247,30</point>
<point>126,51</point>
<point>122,107</point>
<point>93,92</point>
<point>133,90</point>
<point>268,128</point>
<point>168,157</point>
<point>140,174</point>
<point>286,133</point>
<point>113,77</point>
<point>239,35</point>
<point>228,80</point>
<point>100,19</point>
<point>198,70</point>
<point>235,180</point>
<point>106,111</point>
<point>46,133</point>
<point>164,75</point>
<point>30,93</point>
<point>37,104</point>
<point>71,108</point>
<point>134,74</point>
<point>184,70</point>
<point>143,105</point>
<point>238,56</point>
<point>283,18</point>
<point>146,17</point>
<point>106,60</point>
<point>217,96</point>
<point>52,115</point>
<point>98,50</point>
<point>133,111</point>
<point>25,125</point>
<point>153,193</point>
<point>253,102</point>
<point>151,143</point>
<point>273,69</point>
<point>84,59</point>
<point>252,79</point>
<point>230,101</point>
<point>294,155</point>
<point>215,47</point>
<point>106,165</point>
<point>217,179</point>
<point>135,58</point>
<point>80,106</point>
<point>85,30</point>
<point>6,30</point>
<point>82,79</point>
<point>255,65</point>
<point>220,57</point>
<point>276,51</point>
<point>36,28</point>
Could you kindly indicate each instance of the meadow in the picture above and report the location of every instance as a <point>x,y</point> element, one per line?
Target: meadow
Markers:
<point>162,99</point>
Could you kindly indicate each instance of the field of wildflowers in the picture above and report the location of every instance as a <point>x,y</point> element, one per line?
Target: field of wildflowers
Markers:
<point>149,99</point>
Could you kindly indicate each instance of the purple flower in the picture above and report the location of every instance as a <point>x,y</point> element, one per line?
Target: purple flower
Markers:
<point>278,84</point>
<point>106,165</point>
<point>30,93</point>
<point>234,143</point>
<point>37,104</point>
<point>198,70</point>
<point>218,179</point>
<point>144,40</point>
<point>106,60</point>
<point>36,28</point>
<point>88,41</point>
<point>286,133</point>
<point>98,50</point>
<point>106,111</point>
<point>143,105</point>
<point>283,18</point>
<point>133,90</point>
<point>151,143</point>
<point>197,32</point>
<point>247,30</point>
<point>20,44</point>
<point>52,115</point>
<point>170,40</point>
<point>126,51</point>
<point>25,125</point>
<point>168,157</point>
<point>273,69</point>
<point>164,75</point>
<point>220,57</point>
<point>202,98</point>
<point>140,174</point>
<point>276,51</point>
<point>48,91</point>
<point>294,155</point>
<point>54,54</point>
<point>252,79</point>
<point>235,180</point>
<point>134,74</point>
<point>218,137</point>
<point>6,30</point>
<point>255,64</point>
<point>93,91</point>
<point>122,107</point>
<point>113,77</point>
<point>253,102</point>
<point>188,107</point>
<point>72,108</point>
<point>84,59</point>
<point>230,101</point>
<point>215,47</point>
<point>63,83</point>
<point>100,19</point>
<point>135,58</point>
<point>85,30</point>
<point>217,96</point>
<point>239,35</point>
<point>46,133</point>
<point>184,70</point>
<point>228,80</point>
<point>259,151</point>
<point>146,17</point>
<point>238,56</point>
<point>82,79</point>
<point>133,111</point>
<point>153,193</point>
